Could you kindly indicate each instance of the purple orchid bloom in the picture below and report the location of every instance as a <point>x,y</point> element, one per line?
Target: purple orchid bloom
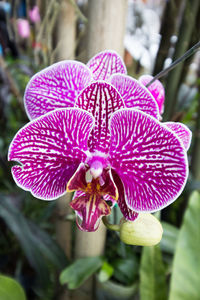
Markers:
<point>97,132</point>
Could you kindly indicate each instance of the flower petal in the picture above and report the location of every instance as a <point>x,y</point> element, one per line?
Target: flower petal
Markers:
<point>91,208</point>
<point>49,150</point>
<point>182,131</point>
<point>128,213</point>
<point>135,95</point>
<point>106,63</point>
<point>103,185</point>
<point>55,87</point>
<point>78,180</point>
<point>109,187</point>
<point>156,89</point>
<point>101,100</point>
<point>149,159</point>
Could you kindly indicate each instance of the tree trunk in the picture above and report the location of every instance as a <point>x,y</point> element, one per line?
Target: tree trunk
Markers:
<point>184,37</point>
<point>168,28</point>
<point>65,49</point>
<point>106,27</point>
<point>66,31</point>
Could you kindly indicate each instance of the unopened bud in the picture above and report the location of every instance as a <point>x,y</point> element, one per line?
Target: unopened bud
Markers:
<point>146,230</point>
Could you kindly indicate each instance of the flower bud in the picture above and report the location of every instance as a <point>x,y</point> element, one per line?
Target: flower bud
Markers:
<point>146,230</point>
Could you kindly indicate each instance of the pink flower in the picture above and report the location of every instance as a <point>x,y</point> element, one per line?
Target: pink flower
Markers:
<point>34,14</point>
<point>23,28</point>
<point>95,120</point>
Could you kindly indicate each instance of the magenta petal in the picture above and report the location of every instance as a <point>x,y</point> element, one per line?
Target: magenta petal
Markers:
<point>78,180</point>
<point>90,208</point>
<point>49,150</point>
<point>101,100</point>
<point>135,95</point>
<point>149,159</point>
<point>182,131</point>
<point>128,213</point>
<point>156,89</point>
<point>55,87</point>
<point>106,63</point>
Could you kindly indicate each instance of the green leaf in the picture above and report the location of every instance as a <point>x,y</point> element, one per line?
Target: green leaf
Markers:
<point>169,238</point>
<point>105,272</point>
<point>18,225</point>
<point>36,243</point>
<point>185,281</point>
<point>79,271</point>
<point>47,246</point>
<point>126,270</point>
<point>10,289</point>
<point>152,275</point>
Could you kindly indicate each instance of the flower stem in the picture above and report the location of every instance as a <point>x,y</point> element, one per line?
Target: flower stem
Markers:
<point>187,54</point>
<point>113,227</point>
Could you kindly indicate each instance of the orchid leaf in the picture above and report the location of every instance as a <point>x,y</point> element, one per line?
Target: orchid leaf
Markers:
<point>18,225</point>
<point>126,270</point>
<point>169,239</point>
<point>152,275</point>
<point>47,246</point>
<point>106,272</point>
<point>35,242</point>
<point>186,267</point>
<point>79,271</point>
<point>10,288</point>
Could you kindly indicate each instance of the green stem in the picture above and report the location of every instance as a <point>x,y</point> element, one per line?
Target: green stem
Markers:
<point>113,227</point>
<point>176,62</point>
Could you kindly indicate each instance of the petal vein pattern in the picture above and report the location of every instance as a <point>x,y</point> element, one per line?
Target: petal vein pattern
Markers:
<point>106,63</point>
<point>135,95</point>
<point>55,87</point>
<point>101,100</point>
<point>182,131</point>
<point>49,150</point>
<point>149,159</point>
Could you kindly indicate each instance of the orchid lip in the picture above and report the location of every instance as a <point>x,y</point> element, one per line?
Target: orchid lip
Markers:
<point>89,202</point>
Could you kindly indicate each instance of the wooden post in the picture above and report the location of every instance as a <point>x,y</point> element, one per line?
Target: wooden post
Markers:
<point>65,49</point>
<point>106,27</point>
<point>66,31</point>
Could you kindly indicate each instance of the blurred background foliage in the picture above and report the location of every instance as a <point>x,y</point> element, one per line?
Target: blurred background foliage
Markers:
<point>33,262</point>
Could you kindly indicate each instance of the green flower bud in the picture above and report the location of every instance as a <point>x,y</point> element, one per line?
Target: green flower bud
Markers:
<point>146,230</point>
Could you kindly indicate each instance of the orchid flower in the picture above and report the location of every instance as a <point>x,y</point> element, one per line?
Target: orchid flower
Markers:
<point>96,131</point>
<point>23,28</point>
<point>34,14</point>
